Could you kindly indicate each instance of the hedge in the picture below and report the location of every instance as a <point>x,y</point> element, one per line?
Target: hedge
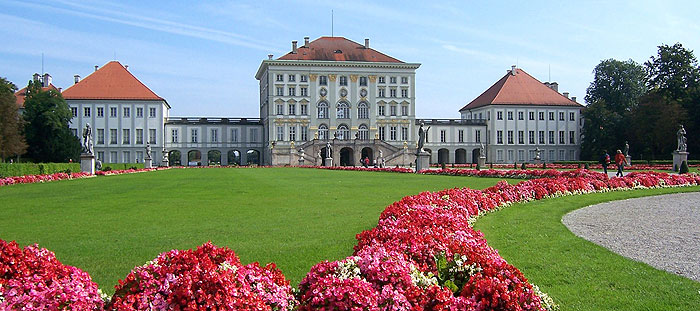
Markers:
<point>21,169</point>
<point>122,166</point>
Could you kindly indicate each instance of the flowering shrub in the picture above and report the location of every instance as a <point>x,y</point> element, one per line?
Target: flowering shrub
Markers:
<point>28,179</point>
<point>33,279</point>
<point>207,278</point>
<point>525,174</point>
<point>363,169</point>
<point>636,167</point>
<point>127,171</point>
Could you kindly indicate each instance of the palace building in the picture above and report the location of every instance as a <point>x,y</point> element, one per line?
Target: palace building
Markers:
<point>329,92</point>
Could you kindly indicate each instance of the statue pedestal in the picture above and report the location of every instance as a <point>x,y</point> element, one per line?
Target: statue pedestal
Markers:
<point>629,160</point>
<point>301,162</point>
<point>87,163</point>
<point>165,162</point>
<point>148,163</point>
<point>481,162</point>
<point>678,158</point>
<point>422,161</point>
<point>329,162</point>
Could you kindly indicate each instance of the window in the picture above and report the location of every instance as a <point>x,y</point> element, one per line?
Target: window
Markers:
<point>572,136</point>
<point>173,136</point>
<point>86,111</point>
<point>572,155</point>
<point>323,132</point>
<point>404,80</point>
<point>280,109</point>
<point>126,137</point>
<point>520,115</point>
<point>101,156</point>
<point>139,112</point>
<point>304,78</point>
<point>510,115</point>
<point>521,155</point>
<point>499,115</point>
<point>74,111</point>
<point>363,81</point>
<point>363,132</point>
<point>460,136</point>
<point>214,135</point>
<point>499,155</point>
<point>343,133</point>
<point>113,136</point>
<point>404,110</point>
<point>280,133</point>
<point>392,93</point>
<point>100,112</point>
<point>126,112</point>
<point>304,133</point>
<point>342,111</point>
<point>392,110</point>
<point>381,80</point>
<point>551,155</point>
<point>113,157</point>
<point>280,78</point>
<point>253,137</point>
<point>572,117</point>
<point>151,112</point>
<point>343,81</point>
<point>510,156</point>
<point>392,132</point>
<point>323,110</point>
<point>322,80</point>
<point>126,156</point>
<point>443,136</point>
<point>280,91</point>
<point>531,115</point>
<point>551,137</point>
<point>499,137</point>
<point>561,116</point>
<point>304,91</point>
<point>404,93</point>
<point>100,136</point>
<point>510,137</point>
<point>139,136</point>
<point>531,137</point>
<point>380,110</point>
<point>152,136</point>
<point>521,137</point>
<point>113,112</point>
<point>292,109</point>
<point>362,110</point>
<point>304,109</point>
<point>541,115</point>
<point>561,137</point>
<point>291,78</point>
<point>382,133</point>
<point>193,135</point>
<point>234,135</point>
<point>551,116</point>
<point>477,136</point>
<point>292,133</point>
<point>292,91</point>
<point>139,156</point>
<point>381,92</point>
<point>541,137</point>
<point>392,79</point>
<point>404,133</point>
<point>562,155</point>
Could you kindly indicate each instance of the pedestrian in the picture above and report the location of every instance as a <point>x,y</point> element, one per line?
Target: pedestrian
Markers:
<point>620,160</point>
<point>605,161</point>
<point>366,161</point>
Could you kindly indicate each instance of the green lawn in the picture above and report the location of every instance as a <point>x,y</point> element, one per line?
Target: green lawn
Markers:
<point>293,217</point>
<point>578,274</point>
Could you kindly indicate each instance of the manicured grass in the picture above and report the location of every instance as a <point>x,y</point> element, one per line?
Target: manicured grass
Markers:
<point>578,274</point>
<point>293,217</point>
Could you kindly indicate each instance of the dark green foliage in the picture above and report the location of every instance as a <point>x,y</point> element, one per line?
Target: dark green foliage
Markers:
<point>12,141</point>
<point>544,165</point>
<point>443,166</point>
<point>684,168</point>
<point>578,165</point>
<point>21,169</point>
<point>515,165</point>
<point>478,167</point>
<point>586,166</point>
<point>523,166</point>
<point>46,126</point>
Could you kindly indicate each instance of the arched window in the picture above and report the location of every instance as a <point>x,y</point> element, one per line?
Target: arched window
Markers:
<point>343,132</point>
<point>323,110</point>
<point>363,132</point>
<point>323,132</point>
<point>343,111</point>
<point>363,110</point>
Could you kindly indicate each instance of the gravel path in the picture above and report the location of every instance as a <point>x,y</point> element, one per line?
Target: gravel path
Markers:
<point>662,231</point>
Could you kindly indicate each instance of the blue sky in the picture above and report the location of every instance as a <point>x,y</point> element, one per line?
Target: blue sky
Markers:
<point>202,55</point>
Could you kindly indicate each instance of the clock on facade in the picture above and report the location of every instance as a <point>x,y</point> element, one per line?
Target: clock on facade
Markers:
<point>323,92</point>
<point>363,92</point>
<point>343,93</point>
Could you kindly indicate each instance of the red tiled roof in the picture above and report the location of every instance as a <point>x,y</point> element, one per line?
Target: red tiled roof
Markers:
<point>520,89</point>
<point>338,49</point>
<point>21,94</point>
<point>111,81</point>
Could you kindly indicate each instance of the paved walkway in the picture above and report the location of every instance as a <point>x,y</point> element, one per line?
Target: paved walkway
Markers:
<point>662,231</point>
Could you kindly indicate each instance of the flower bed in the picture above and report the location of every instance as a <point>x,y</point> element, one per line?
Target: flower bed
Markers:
<point>634,167</point>
<point>28,179</point>
<point>363,169</point>
<point>127,171</point>
<point>526,174</point>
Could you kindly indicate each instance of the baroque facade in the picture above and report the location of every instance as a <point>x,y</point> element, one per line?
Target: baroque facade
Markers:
<point>327,92</point>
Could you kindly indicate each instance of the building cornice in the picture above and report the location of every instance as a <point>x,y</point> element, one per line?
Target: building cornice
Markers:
<point>266,63</point>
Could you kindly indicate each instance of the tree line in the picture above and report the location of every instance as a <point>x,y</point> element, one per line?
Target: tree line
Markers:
<point>643,104</point>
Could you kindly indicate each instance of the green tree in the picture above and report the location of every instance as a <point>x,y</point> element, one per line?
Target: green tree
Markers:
<point>46,118</point>
<point>614,92</point>
<point>11,138</point>
<point>655,122</point>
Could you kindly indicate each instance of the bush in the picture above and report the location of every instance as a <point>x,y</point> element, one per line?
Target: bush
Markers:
<point>22,169</point>
<point>586,166</point>
<point>443,166</point>
<point>544,165</point>
<point>684,168</point>
<point>523,166</point>
<point>515,166</point>
<point>478,167</point>
<point>123,166</point>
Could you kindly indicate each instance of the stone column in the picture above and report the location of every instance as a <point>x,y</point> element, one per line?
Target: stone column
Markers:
<point>678,158</point>
<point>87,163</point>
<point>422,161</point>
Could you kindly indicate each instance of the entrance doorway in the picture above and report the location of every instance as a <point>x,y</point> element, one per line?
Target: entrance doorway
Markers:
<point>367,152</point>
<point>346,157</point>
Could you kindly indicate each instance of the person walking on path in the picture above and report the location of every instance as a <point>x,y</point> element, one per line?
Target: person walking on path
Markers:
<point>605,161</point>
<point>620,160</point>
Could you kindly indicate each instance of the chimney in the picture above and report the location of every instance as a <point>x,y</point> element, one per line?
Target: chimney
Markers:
<point>77,79</point>
<point>126,67</point>
<point>294,46</point>
<point>512,69</point>
<point>96,67</point>
<point>60,89</point>
<point>573,98</point>
<point>47,80</point>
<point>306,42</point>
<point>269,56</point>
<point>566,94</point>
<point>36,77</point>
<point>554,86</point>
<point>366,43</point>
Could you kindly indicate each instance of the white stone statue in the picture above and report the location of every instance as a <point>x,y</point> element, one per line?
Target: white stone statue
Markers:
<point>538,153</point>
<point>627,149</point>
<point>682,141</point>
<point>316,135</point>
<point>422,134</point>
<point>301,154</point>
<point>148,150</point>
<point>381,154</point>
<point>328,150</point>
<point>482,151</point>
<point>87,139</point>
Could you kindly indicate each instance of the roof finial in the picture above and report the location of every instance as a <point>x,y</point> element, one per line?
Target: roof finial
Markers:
<point>332,30</point>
